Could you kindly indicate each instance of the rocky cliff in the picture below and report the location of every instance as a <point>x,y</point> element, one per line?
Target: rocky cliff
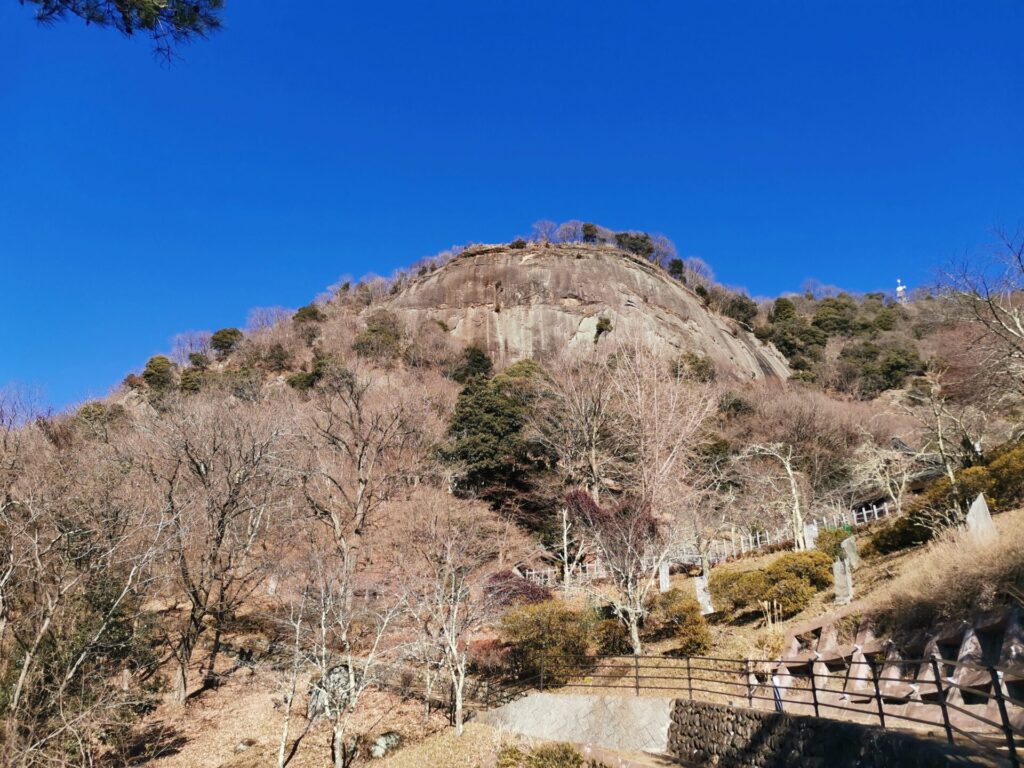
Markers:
<point>542,299</point>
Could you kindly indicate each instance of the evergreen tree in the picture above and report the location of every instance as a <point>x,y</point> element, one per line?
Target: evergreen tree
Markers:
<point>224,341</point>
<point>166,22</point>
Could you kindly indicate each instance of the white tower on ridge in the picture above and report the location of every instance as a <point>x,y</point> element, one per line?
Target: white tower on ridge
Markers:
<point>901,291</point>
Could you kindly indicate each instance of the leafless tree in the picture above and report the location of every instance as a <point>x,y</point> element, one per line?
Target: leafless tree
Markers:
<point>544,230</point>
<point>453,548</point>
<point>369,439</point>
<point>221,473</point>
<point>77,557</point>
<point>661,425</point>
<point>949,429</point>
<point>346,642</point>
<point>632,544</point>
<point>578,420</point>
<point>889,467</point>
<point>265,318</point>
<point>664,250</point>
<point>782,456</point>
<point>569,231</point>
<point>991,298</point>
<point>188,343</point>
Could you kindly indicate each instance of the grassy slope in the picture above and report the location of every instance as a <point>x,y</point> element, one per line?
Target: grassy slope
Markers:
<point>946,580</point>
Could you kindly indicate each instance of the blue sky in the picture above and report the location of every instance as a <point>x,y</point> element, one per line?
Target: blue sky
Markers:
<point>849,142</point>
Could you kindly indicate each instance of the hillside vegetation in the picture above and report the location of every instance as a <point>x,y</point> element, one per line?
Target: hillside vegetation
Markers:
<point>338,503</point>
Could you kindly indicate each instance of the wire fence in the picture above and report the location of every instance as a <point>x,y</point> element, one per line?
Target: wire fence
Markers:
<point>973,705</point>
<point>736,544</point>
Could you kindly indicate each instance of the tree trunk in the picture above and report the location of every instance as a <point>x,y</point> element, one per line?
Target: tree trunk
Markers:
<point>339,755</point>
<point>458,708</point>
<point>210,678</point>
<point>797,513</point>
<point>634,633</point>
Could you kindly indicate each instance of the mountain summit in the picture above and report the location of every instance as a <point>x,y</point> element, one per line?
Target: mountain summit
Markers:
<point>539,299</point>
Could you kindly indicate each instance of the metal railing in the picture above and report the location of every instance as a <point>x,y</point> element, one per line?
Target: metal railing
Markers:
<point>971,703</point>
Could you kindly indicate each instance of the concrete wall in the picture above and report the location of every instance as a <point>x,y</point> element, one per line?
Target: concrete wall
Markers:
<point>708,734</point>
<point>628,723</point>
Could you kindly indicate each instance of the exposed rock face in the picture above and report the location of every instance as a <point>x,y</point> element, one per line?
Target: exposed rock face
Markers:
<point>540,300</point>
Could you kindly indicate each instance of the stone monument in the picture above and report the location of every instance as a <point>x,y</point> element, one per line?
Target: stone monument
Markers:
<point>703,595</point>
<point>842,580</point>
<point>979,521</point>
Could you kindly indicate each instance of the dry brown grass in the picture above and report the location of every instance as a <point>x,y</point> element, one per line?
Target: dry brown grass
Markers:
<point>953,577</point>
<point>476,748</point>
<point>246,710</point>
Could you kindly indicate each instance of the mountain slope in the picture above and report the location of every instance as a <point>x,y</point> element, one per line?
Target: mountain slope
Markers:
<point>540,299</point>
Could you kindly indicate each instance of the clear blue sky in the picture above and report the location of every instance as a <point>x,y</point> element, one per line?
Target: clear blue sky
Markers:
<point>849,142</point>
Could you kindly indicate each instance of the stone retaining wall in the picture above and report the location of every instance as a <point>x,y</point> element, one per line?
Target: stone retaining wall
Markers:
<point>708,734</point>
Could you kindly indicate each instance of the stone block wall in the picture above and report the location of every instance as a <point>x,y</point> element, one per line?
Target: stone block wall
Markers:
<point>707,734</point>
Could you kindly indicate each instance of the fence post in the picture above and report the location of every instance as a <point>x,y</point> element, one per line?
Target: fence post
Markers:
<point>1004,718</point>
<point>878,696</point>
<point>814,692</point>
<point>942,699</point>
<point>750,688</point>
<point>636,673</point>
<point>689,680</point>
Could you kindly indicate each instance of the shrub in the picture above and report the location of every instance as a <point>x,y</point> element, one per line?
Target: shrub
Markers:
<point>133,381</point>
<point>741,308</point>
<point>547,636</point>
<point>788,595</point>
<point>690,365</point>
<point>908,531</point>
<point>638,243</point>
<point>322,366</point>
<point>310,313</point>
<point>225,341</point>
<point>811,566</point>
<point>473,362</point>
<point>738,591</point>
<point>544,756</point>
<point>829,541</point>
<point>507,590</point>
<point>782,310</point>
<point>199,361</point>
<point>517,244</point>
<point>382,337</point>
<point>276,358</point>
<point>590,233</point>
<point>191,380</point>
<point>159,374</point>
<point>488,657</point>
<point>677,269</point>
<point>1007,470</point>
<point>604,325</point>
<point>677,615</point>
<point>790,582</point>
<point>611,638</point>
<point>554,756</point>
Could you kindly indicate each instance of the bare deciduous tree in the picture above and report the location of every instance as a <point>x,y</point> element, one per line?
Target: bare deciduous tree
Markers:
<point>455,546</point>
<point>345,642</point>
<point>220,474</point>
<point>783,456</point>
<point>368,441</point>
<point>632,543</point>
<point>544,230</point>
<point>577,419</point>
<point>991,298</point>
